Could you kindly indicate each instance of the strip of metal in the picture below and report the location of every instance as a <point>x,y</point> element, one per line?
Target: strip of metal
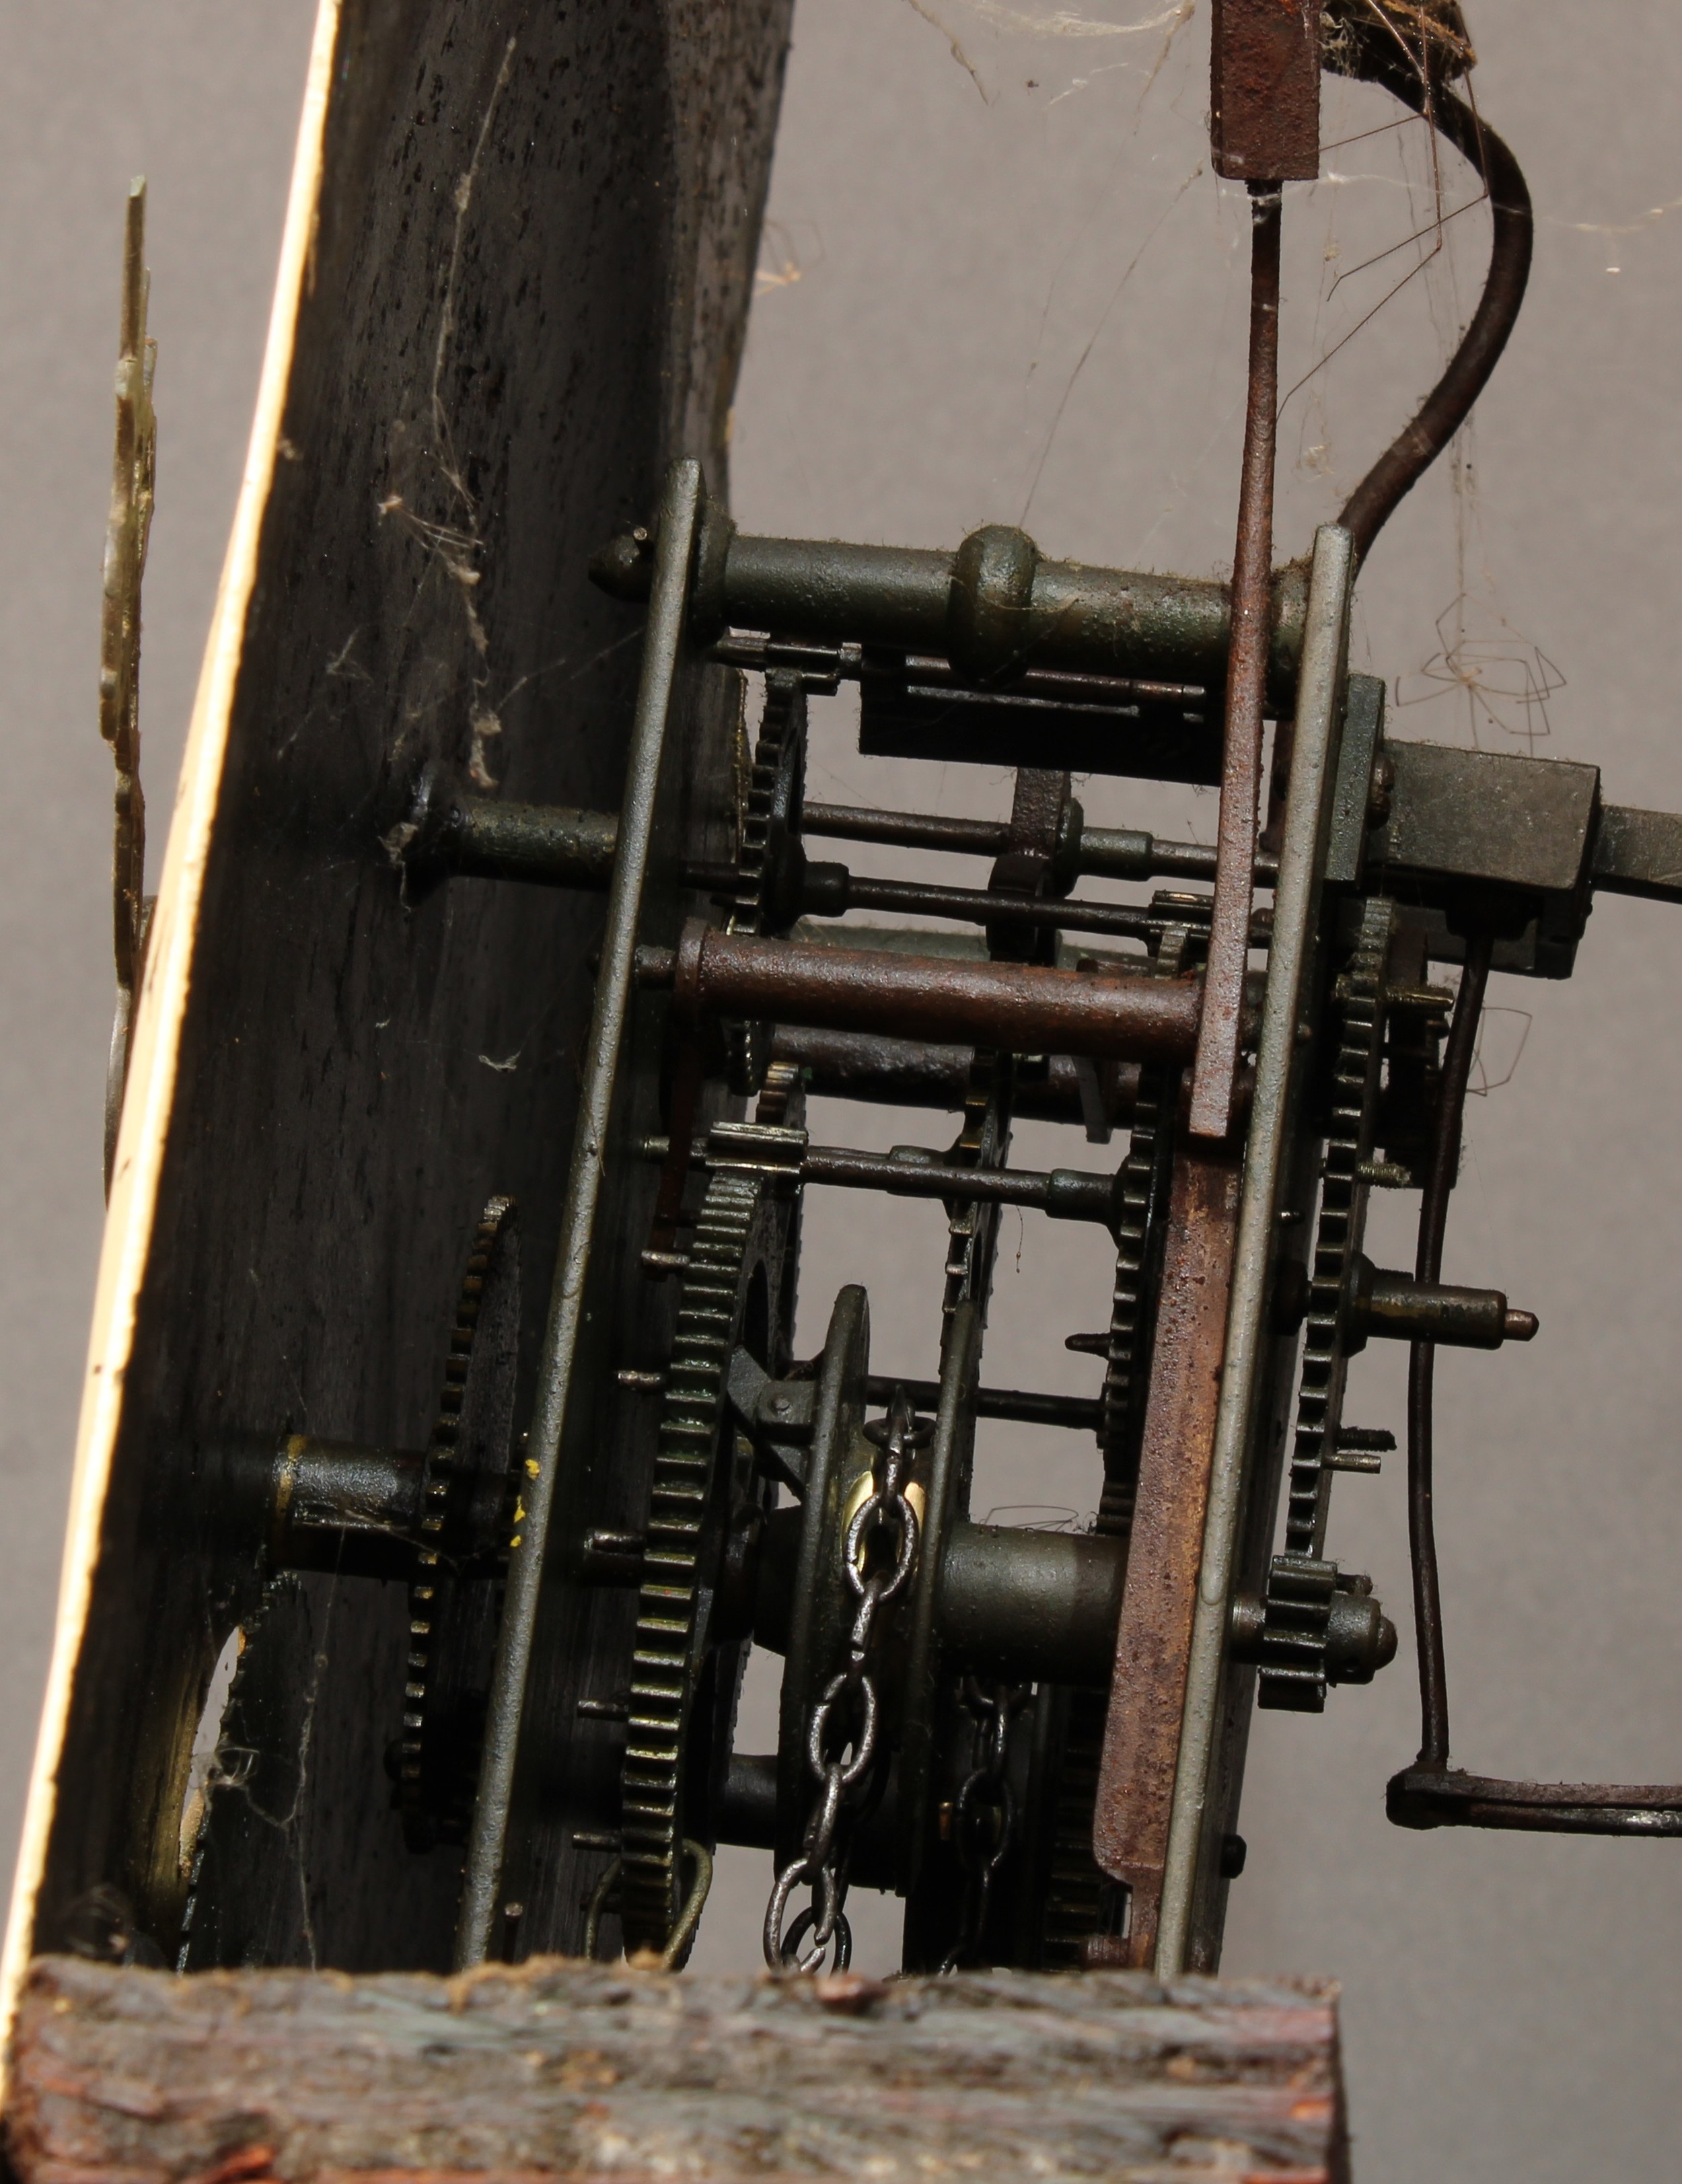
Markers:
<point>1295,912</point>
<point>960,1370</point>
<point>667,604</point>
<point>1214,1076</point>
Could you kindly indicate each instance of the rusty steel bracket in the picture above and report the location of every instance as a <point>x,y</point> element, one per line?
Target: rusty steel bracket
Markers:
<point>1265,90</point>
<point>1219,1041</point>
<point>1296,914</point>
<point>1153,1639</point>
<point>1264,129</point>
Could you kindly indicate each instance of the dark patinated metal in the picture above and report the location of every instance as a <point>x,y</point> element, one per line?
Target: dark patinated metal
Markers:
<point>322,1505</point>
<point>907,1073</point>
<point>830,890</point>
<point>1017,1603</point>
<point>1354,1640</point>
<point>446,832</point>
<point>1496,837</point>
<point>1444,1796</point>
<point>911,830</point>
<point>1066,1193</point>
<point>1408,1310</point>
<point>1638,853</point>
<point>1063,614</point>
<point>1415,53</point>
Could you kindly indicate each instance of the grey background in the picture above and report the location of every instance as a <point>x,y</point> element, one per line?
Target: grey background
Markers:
<point>958,344</point>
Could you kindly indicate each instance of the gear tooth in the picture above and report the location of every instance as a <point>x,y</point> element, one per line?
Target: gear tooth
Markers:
<point>1343,1199</point>
<point>669,1598</point>
<point>1141,1201</point>
<point>430,1593</point>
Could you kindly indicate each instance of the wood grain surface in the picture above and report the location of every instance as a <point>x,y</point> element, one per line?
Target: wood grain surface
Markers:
<point>564,2069</point>
<point>519,258</point>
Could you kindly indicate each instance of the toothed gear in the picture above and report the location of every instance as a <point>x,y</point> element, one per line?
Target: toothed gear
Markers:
<point>1300,1583</point>
<point>1145,1204</point>
<point>455,1593</point>
<point>1127,1369</point>
<point>984,1141</point>
<point>703,1471</point>
<point>1341,1226</point>
<point>770,859</point>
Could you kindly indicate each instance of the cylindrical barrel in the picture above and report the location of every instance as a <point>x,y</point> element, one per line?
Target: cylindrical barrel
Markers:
<point>1021,1603</point>
<point>992,607</point>
<point>335,1506</point>
<point>1387,1303</point>
<point>820,587</point>
<point>1017,1008</point>
<point>315,1505</point>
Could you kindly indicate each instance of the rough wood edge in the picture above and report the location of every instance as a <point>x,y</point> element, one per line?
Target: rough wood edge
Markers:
<point>564,2071</point>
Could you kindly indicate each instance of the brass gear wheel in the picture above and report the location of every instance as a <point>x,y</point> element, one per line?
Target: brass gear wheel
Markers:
<point>703,1472</point>
<point>456,1592</point>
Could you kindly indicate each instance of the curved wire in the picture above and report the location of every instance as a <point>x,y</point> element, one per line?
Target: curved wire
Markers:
<point>1445,408</point>
<point>1439,1181</point>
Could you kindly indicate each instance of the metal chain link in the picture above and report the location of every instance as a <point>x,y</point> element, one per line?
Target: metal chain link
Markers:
<point>984,1811</point>
<point>878,1556</point>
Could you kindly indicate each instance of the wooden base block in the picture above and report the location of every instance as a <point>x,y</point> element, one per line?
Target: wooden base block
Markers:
<point>562,2070</point>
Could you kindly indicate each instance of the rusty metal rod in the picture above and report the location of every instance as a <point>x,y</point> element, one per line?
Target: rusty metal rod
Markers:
<point>1444,1797</point>
<point>1013,1008</point>
<point>1214,1079</point>
<point>1445,408</point>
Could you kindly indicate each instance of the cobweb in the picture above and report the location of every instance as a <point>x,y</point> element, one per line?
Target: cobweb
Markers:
<point>987,37</point>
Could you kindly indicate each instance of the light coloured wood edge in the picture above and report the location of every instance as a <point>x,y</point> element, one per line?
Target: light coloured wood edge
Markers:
<point>162,1008</point>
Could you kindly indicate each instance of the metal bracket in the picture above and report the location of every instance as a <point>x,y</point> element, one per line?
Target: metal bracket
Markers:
<point>674,550</point>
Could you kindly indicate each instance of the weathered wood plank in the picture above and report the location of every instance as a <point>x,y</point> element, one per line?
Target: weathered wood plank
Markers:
<point>515,286</point>
<point>564,2069</point>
